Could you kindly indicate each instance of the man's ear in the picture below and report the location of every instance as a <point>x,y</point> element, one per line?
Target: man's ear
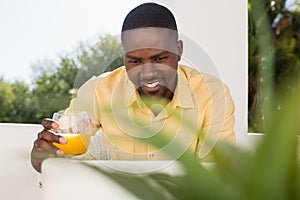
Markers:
<point>180,49</point>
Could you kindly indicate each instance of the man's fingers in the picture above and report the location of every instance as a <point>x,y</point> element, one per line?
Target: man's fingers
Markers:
<point>51,137</point>
<point>45,140</point>
<point>50,124</point>
<point>42,145</point>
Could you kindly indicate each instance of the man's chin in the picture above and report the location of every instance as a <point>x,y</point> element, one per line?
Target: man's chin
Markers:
<point>158,96</point>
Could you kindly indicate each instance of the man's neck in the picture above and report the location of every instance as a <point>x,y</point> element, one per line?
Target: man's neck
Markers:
<point>155,104</point>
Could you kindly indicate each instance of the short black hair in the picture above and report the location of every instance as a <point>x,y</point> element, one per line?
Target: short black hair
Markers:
<point>149,15</point>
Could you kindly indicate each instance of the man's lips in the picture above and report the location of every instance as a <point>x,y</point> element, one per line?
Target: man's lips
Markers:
<point>151,86</point>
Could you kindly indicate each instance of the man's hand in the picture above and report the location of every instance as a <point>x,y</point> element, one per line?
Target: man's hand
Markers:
<point>42,147</point>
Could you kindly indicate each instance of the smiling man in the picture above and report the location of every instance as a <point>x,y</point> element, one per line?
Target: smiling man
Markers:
<point>151,96</point>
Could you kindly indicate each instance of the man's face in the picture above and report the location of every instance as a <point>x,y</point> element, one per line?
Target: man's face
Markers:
<point>151,60</point>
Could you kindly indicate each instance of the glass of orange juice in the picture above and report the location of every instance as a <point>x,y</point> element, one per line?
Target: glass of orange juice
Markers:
<point>74,126</point>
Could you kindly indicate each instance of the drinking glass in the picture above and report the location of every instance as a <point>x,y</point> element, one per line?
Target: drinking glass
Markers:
<point>74,126</point>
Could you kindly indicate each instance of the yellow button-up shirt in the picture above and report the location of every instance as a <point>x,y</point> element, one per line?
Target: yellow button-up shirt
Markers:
<point>200,114</point>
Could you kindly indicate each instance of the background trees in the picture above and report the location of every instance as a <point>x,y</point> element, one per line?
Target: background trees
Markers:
<point>284,55</point>
<point>54,84</point>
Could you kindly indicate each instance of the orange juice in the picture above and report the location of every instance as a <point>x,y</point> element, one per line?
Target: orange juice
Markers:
<point>76,143</point>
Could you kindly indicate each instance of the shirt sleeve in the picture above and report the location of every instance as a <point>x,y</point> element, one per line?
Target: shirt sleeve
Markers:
<point>219,121</point>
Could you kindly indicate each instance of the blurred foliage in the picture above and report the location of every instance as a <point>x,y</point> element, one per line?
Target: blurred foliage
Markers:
<point>269,171</point>
<point>54,84</point>
<point>94,60</point>
<point>279,65</point>
<point>16,102</point>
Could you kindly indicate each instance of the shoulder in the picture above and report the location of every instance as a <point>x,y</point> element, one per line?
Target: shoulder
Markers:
<point>202,82</point>
<point>193,76</point>
<point>120,71</point>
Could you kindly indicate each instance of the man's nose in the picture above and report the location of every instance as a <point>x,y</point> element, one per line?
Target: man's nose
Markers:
<point>148,71</point>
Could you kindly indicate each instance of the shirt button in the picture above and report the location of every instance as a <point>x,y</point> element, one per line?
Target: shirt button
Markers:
<point>151,155</point>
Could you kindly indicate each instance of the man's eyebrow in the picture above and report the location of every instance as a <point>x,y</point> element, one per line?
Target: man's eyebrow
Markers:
<point>132,57</point>
<point>152,57</point>
<point>159,54</point>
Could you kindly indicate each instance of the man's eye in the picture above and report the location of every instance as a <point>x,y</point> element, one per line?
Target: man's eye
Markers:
<point>160,59</point>
<point>134,61</point>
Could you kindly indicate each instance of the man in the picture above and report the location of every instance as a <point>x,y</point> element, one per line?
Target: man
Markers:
<point>151,98</point>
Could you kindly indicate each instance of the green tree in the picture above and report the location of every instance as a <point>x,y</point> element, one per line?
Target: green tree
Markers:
<point>16,102</point>
<point>284,25</point>
<point>24,105</point>
<point>93,60</point>
<point>56,84</point>
<point>7,98</point>
<point>51,88</point>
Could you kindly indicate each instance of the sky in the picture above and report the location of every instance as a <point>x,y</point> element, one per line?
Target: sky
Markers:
<point>36,30</point>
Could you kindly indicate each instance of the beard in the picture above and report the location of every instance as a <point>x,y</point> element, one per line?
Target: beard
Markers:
<point>164,94</point>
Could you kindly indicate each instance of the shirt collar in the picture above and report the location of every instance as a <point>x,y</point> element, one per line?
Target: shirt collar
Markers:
<point>183,96</point>
<point>131,94</point>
